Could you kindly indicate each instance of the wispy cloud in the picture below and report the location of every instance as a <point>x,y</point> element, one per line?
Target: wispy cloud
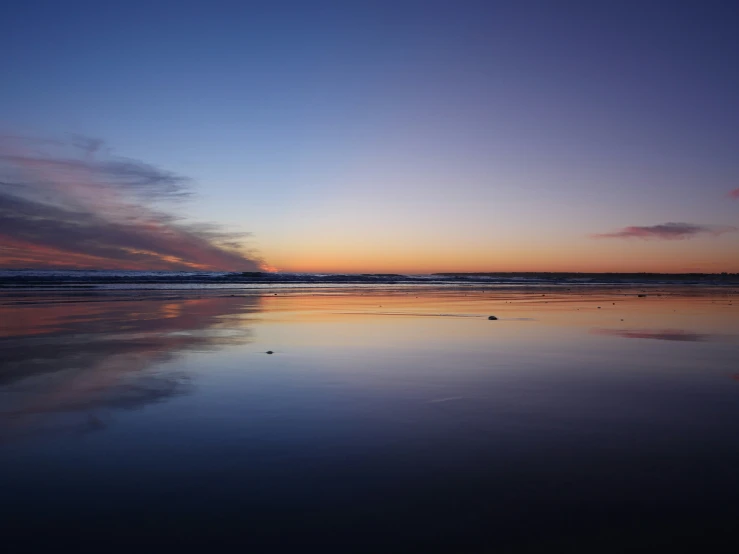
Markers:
<point>74,205</point>
<point>734,193</point>
<point>667,231</point>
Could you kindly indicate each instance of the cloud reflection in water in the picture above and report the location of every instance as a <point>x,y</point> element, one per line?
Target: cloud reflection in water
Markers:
<point>656,334</point>
<point>65,367</point>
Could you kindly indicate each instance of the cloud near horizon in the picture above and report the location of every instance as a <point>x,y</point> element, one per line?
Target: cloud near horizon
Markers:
<point>78,206</point>
<point>668,231</point>
<point>734,193</point>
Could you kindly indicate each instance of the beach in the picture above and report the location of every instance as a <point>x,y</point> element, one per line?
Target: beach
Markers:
<point>384,276</point>
<point>372,417</point>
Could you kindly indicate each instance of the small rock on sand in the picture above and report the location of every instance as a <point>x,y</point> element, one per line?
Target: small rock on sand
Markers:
<point>492,318</point>
<point>269,352</point>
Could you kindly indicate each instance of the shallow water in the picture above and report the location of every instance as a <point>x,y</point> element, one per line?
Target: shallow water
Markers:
<point>395,420</point>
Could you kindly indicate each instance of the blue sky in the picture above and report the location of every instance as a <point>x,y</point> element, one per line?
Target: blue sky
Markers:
<point>407,135</point>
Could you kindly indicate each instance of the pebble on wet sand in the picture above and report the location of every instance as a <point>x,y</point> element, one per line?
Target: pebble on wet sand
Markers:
<point>269,352</point>
<point>492,318</point>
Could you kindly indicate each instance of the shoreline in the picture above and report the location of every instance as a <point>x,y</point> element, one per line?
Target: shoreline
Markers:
<point>539,293</point>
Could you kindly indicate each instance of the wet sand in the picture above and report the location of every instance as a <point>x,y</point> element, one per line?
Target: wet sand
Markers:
<point>386,418</point>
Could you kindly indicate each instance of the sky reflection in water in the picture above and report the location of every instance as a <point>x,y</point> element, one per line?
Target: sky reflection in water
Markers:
<point>66,365</point>
<point>164,419</point>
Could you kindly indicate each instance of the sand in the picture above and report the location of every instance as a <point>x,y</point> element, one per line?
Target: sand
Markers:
<point>386,418</point>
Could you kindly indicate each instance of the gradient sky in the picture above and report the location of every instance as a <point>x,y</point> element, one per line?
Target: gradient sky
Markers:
<point>372,136</point>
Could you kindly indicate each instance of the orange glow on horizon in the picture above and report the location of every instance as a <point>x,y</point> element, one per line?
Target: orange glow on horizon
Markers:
<point>565,261</point>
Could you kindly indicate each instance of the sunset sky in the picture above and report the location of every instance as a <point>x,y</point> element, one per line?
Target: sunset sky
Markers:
<point>359,136</point>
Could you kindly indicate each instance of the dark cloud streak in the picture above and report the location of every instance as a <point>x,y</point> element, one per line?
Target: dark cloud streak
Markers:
<point>130,175</point>
<point>101,214</point>
<point>668,231</point>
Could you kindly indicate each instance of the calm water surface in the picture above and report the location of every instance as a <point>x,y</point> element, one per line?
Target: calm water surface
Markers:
<point>387,421</point>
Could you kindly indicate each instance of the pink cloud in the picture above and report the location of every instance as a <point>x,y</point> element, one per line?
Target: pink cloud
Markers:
<point>734,193</point>
<point>61,210</point>
<point>667,231</point>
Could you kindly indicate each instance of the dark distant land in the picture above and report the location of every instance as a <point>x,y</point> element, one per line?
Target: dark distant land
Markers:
<point>608,276</point>
<point>34,278</point>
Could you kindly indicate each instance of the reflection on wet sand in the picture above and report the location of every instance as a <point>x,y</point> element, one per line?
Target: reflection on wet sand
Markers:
<point>388,428</point>
<point>66,365</point>
<point>664,334</point>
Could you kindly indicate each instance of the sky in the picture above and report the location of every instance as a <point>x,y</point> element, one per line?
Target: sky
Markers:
<point>358,136</point>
